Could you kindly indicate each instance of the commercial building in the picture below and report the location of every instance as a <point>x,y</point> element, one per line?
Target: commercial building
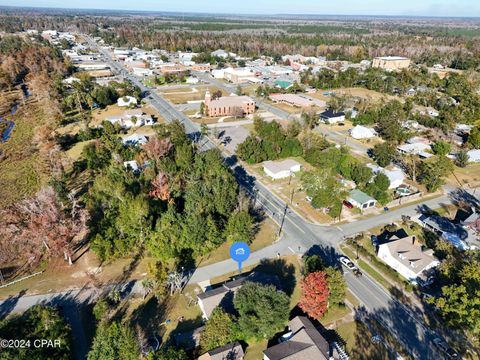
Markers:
<point>391,63</point>
<point>407,257</point>
<point>229,105</point>
<point>238,75</point>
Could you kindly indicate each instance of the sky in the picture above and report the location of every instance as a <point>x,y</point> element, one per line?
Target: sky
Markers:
<point>468,8</point>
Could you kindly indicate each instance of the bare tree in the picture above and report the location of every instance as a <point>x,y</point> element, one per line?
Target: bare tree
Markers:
<point>40,226</point>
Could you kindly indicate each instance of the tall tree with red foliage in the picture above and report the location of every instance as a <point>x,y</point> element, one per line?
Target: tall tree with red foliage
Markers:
<point>315,295</point>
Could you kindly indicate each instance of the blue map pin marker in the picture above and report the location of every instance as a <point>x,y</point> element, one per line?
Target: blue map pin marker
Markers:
<point>239,252</point>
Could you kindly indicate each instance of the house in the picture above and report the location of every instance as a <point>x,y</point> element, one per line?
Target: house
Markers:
<point>395,175</point>
<point>135,139</point>
<point>452,232</point>
<point>303,342</point>
<point>407,257</point>
<point>223,296</point>
<point>415,149</point>
<point>126,101</point>
<point>391,63</point>
<point>474,155</point>
<point>229,105</point>
<point>131,165</point>
<point>362,132</point>
<point>331,117</point>
<point>296,100</point>
<point>361,200</point>
<point>281,169</point>
<point>233,351</point>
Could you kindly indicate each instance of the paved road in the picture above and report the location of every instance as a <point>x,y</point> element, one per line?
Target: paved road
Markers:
<point>336,136</point>
<point>307,237</point>
<point>70,304</point>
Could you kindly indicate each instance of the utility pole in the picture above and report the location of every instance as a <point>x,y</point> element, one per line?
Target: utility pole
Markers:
<point>283,220</point>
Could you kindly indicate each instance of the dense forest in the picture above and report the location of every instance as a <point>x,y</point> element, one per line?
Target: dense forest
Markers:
<point>424,42</point>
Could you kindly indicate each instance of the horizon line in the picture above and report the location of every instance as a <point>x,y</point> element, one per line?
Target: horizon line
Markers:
<point>240,14</point>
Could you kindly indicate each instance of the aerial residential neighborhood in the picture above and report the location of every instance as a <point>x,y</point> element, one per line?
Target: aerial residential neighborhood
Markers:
<point>240,181</point>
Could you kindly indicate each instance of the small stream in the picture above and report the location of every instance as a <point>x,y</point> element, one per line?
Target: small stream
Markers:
<point>5,135</point>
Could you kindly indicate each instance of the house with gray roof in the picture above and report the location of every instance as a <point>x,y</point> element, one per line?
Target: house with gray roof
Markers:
<point>303,342</point>
<point>408,257</point>
<point>233,351</point>
<point>223,295</point>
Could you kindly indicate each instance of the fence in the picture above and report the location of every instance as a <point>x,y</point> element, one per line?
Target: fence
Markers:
<point>21,279</point>
<point>405,199</point>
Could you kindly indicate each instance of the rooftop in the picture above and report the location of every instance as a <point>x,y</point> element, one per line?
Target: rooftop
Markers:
<point>279,166</point>
<point>228,101</point>
<point>360,197</point>
<point>409,252</point>
<point>305,343</point>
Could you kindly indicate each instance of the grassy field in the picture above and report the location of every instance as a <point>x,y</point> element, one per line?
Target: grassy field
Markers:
<point>181,97</point>
<point>265,236</point>
<point>371,95</point>
<point>22,169</point>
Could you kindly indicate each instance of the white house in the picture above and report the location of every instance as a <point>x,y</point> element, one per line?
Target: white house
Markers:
<point>331,117</point>
<point>135,139</point>
<point>407,257</point>
<point>281,169</point>
<point>362,132</point>
<point>126,101</point>
<point>133,165</point>
<point>396,175</point>
<point>361,200</point>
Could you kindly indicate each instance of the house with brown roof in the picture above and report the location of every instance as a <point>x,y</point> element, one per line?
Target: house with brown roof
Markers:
<point>303,342</point>
<point>408,258</point>
<point>233,351</point>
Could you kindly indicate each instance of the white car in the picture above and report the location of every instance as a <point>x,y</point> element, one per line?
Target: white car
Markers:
<point>308,198</point>
<point>347,262</point>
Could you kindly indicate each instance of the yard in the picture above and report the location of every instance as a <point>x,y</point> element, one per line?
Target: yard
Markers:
<point>265,236</point>
<point>359,344</point>
<point>285,188</point>
<point>179,96</point>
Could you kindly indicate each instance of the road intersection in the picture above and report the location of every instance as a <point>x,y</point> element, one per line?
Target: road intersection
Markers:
<point>301,237</point>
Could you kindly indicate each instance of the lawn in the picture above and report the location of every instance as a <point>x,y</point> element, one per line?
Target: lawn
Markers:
<point>358,342</point>
<point>181,97</point>
<point>255,350</point>
<point>265,236</point>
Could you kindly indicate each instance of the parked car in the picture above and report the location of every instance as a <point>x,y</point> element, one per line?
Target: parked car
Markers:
<point>347,204</point>
<point>446,349</point>
<point>347,263</point>
<point>308,198</point>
